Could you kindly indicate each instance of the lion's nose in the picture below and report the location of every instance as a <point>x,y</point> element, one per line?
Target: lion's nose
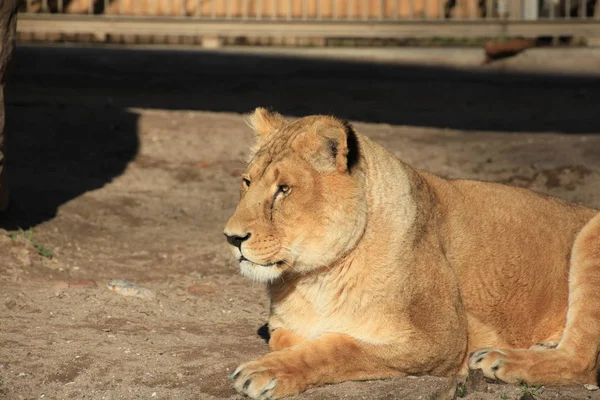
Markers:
<point>236,240</point>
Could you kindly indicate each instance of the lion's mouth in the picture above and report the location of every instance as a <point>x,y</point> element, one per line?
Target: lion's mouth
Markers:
<point>242,259</point>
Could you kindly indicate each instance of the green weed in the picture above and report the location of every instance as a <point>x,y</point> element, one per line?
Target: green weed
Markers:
<point>28,235</point>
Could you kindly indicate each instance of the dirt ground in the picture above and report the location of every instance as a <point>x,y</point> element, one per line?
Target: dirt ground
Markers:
<point>125,165</point>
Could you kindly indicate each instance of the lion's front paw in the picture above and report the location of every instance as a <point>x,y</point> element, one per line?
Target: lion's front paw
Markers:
<point>267,379</point>
<point>494,364</point>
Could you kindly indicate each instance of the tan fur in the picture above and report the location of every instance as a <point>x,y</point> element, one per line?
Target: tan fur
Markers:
<point>375,269</point>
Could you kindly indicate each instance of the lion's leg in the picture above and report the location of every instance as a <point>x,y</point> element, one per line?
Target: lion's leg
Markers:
<point>575,357</point>
<point>327,359</point>
<point>335,357</point>
<point>283,338</point>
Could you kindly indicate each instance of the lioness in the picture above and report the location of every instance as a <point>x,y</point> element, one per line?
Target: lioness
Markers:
<point>377,270</point>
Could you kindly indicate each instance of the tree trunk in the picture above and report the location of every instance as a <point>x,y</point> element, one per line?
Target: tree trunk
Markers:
<point>8,27</point>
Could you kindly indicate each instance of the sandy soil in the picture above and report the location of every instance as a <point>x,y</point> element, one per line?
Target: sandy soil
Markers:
<point>125,165</point>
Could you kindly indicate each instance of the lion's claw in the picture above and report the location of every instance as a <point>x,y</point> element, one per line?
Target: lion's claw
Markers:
<point>255,381</point>
<point>267,378</point>
<point>494,364</point>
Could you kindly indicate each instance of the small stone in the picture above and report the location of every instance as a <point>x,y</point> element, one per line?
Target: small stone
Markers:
<point>476,381</point>
<point>10,304</point>
<point>125,288</point>
<point>449,392</point>
<point>591,387</point>
<point>153,394</point>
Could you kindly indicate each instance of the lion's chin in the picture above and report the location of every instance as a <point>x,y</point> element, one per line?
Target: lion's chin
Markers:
<point>260,273</point>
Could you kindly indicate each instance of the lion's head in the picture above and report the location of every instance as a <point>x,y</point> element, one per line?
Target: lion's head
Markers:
<point>302,203</point>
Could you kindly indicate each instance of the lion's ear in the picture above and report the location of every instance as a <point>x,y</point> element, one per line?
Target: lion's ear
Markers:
<point>265,123</point>
<point>347,151</point>
<point>337,147</point>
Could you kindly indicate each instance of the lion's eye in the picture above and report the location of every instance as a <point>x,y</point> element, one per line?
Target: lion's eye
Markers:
<point>246,182</point>
<point>283,189</point>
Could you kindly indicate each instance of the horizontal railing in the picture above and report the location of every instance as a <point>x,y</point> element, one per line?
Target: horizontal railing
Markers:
<point>393,19</point>
<point>68,24</point>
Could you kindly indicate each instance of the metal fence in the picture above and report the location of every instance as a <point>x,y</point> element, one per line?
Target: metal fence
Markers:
<point>313,18</point>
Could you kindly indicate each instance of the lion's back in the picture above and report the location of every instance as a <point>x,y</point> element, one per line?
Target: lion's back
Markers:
<point>510,249</point>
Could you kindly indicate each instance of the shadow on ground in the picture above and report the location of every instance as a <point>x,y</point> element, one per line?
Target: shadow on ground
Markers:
<point>58,151</point>
<point>70,130</point>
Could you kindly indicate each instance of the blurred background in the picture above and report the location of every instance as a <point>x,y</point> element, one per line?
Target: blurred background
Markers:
<point>214,23</point>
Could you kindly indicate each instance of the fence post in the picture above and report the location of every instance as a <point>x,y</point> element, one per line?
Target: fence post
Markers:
<point>8,27</point>
<point>530,9</point>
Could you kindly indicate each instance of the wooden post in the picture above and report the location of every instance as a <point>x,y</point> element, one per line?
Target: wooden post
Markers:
<point>8,28</point>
